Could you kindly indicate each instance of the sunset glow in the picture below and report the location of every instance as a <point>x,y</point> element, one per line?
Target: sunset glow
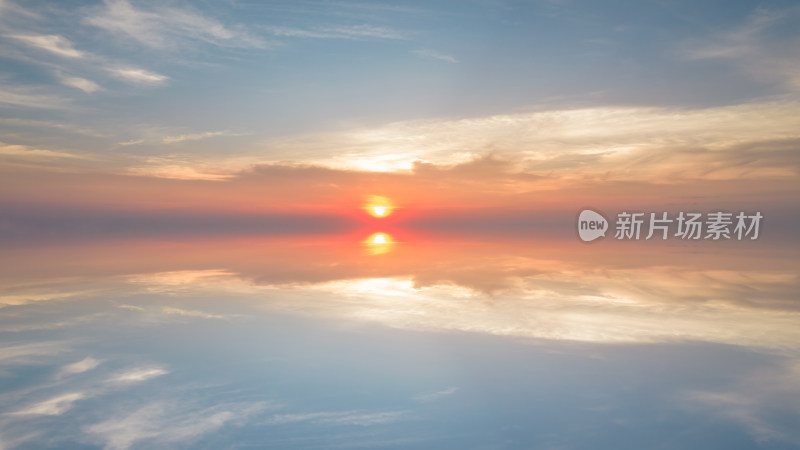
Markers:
<point>379,243</point>
<point>378,206</point>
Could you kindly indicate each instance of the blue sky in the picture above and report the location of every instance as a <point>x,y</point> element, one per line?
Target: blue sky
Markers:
<point>126,83</point>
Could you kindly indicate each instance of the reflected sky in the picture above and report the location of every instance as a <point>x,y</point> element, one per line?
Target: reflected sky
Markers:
<point>398,339</point>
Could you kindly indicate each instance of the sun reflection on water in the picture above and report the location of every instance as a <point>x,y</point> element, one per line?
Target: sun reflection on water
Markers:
<point>379,243</point>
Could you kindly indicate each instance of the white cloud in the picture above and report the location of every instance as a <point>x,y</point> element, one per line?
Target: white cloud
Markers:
<point>168,281</point>
<point>52,43</point>
<point>164,27</point>
<point>61,46</point>
<point>23,353</point>
<point>84,365</point>
<point>138,76</point>
<point>70,128</point>
<point>436,395</point>
<point>160,424</point>
<point>302,33</point>
<point>194,136</point>
<point>9,9</point>
<point>27,151</point>
<point>137,375</point>
<point>23,298</point>
<point>182,168</point>
<point>52,407</point>
<point>615,142</point>
<point>25,97</point>
<point>83,84</point>
<point>131,142</point>
<point>131,307</point>
<point>365,31</point>
<point>190,313</point>
<point>608,305</point>
<point>338,32</point>
<point>357,418</point>
<point>433,54</point>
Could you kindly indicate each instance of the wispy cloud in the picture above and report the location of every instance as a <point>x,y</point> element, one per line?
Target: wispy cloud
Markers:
<point>67,127</point>
<point>191,313</point>
<point>23,353</point>
<point>766,46</point>
<point>137,375</point>
<point>433,54</point>
<point>338,32</point>
<point>32,152</point>
<point>755,401</point>
<point>53,406</point>
<point>166,281</point>
<point>179,167</point>
<point>631,143</point>
<point>164,27</point>
<point>52,43</point>
<point>131,307</point>
<point>131,142</point>
<point>8,8</point>
<point>158,137</point>
<point>436,395</point>
<point>81,366</point>
<point>81,60</point>
<point>83,84</point>
<point>195,136</point>
<point>24,298</point>
<point>606,305</point>
<point>27,97</point>
<point>161,424</point>
<point>137,75</point>
<point>357,418</point>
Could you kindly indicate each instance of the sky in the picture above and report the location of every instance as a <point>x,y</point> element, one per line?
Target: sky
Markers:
<point>475,104</point>
<point>352,224</point>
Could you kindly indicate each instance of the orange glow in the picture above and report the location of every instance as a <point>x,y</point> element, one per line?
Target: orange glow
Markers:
<point>378,206</point>
<point>379,243</point>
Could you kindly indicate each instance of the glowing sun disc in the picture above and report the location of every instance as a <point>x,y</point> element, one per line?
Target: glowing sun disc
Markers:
<point>378,206</point>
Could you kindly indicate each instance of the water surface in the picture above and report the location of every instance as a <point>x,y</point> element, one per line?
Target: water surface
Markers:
<point>385,338</point>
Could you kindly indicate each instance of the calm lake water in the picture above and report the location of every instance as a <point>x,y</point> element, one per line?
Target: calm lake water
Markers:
<point>390,339</point>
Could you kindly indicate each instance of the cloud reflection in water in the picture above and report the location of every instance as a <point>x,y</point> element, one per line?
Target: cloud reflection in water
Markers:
<point>396,339</point>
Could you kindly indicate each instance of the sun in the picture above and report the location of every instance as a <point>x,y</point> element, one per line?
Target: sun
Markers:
<point>378,211</point>
<point>378,206</point>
